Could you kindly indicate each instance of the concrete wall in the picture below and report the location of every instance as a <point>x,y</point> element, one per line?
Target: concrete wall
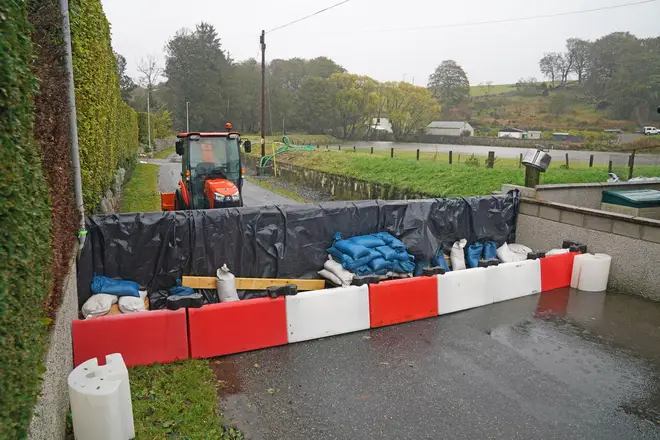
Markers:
<point>633,242</point>
<point>587,195</point>
<point>49,419</point>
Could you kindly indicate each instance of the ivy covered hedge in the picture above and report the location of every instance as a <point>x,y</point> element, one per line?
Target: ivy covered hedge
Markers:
<point>25,231</point>
<point>107,127</point>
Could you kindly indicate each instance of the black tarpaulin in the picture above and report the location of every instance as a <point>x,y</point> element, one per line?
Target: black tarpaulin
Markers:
<point>155,249</point>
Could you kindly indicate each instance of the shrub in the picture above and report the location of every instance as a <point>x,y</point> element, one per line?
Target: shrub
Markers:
<point>25,232</point>
<point>472,161</point>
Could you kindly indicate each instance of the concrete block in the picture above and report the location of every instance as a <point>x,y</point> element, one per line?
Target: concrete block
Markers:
<point>650,233</point>
<point>529,209</point>
<point>524,191</point>
<point>598,223</point>
<point>550,213</point>
<point>572,218</point>
<point>626,228</point>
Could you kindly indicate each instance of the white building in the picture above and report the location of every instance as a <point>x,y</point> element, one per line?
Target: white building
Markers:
<point>513,133</point>
<point>533,134</point>
<point>381,124</point>
<point>448,128</point>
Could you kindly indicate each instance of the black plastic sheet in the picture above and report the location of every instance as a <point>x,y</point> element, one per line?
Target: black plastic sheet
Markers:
<point>155,249</point>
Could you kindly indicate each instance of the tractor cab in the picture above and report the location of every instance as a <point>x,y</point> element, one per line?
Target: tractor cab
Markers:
<point>211,175</point>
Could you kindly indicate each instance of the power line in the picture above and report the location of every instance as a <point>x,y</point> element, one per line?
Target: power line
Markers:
<point>509,20</point>
<point>307,16</point>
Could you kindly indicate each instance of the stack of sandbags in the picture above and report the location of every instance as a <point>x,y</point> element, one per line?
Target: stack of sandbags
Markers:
<point>106,292</point>
<point>374,254</point>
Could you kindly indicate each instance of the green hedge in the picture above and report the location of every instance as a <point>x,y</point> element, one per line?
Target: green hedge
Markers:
<point>25,231</point>
<point>107,128</point>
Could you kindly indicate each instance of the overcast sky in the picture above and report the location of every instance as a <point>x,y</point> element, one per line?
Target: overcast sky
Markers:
<point>361,34</point>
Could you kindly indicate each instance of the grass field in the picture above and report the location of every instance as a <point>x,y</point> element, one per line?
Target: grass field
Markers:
<point>163,154</point>
<point>437,177</point>
<point>495,89</point>
<point>141,192</point>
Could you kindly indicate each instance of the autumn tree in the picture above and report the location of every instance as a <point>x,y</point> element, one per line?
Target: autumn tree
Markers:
<point>409,108</point>
<point>449,84</point>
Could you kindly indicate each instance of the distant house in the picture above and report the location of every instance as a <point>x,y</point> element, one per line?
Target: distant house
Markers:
<point>514,133</point>
<point>534,134</point>
<point>381,125</point>
<point>566,137</point>
<point>448,128</point>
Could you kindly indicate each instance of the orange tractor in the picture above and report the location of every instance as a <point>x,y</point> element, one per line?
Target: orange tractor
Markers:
<point>211,175</point>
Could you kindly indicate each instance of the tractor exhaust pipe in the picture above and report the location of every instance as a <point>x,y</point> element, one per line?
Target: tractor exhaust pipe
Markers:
<point>73,124</point>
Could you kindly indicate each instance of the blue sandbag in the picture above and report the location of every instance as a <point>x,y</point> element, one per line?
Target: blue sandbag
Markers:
<point>419,267</point>
<point>351,264</point>
<point>355,251</point>
<point>180,290</point>
<point>439,260</point>
<point>490,250</point>
<point>403,267</point>
<point>101,284</point>
<point>336,254</point>
<point>369,241</point>
<point>363,270</point>
<point>380,263</point>
<point>391,241</point>
<point>473,254</point>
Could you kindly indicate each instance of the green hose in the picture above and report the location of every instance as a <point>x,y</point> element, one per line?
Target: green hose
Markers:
<point>287,147</point>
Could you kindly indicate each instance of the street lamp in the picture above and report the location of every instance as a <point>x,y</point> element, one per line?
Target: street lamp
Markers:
<point>187,125</point>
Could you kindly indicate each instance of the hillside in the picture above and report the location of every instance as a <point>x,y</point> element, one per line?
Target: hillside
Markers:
<point>560,109</point>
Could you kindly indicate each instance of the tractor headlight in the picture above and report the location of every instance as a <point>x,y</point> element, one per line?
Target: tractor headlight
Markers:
<point>224,199</point>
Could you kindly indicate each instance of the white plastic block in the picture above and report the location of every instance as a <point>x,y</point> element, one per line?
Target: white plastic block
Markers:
<point>463,289</point>
<point>100,398</point>
<point>321,313</point>
<point>513,280</point>
<point>591,272</point>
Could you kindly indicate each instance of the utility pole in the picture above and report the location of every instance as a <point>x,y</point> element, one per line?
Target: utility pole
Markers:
<point>263,93</point>
<point>187,120</point>
<point>149,117</point>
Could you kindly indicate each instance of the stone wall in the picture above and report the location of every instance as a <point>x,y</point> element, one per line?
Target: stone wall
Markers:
<point>633,242</point>
<point>340,187</point>
<point>49,419</point>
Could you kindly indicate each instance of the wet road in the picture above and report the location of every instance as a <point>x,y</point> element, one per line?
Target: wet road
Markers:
<point>561,365</point>
<point>253,195</point>
<point>600,157</point>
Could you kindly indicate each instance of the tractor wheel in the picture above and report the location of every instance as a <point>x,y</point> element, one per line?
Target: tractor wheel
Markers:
<point>179,204</point>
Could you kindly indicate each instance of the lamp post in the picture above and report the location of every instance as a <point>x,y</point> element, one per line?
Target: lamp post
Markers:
<point>187,124</point>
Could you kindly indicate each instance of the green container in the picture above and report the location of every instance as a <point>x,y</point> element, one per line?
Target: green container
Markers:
<point>638,198</point>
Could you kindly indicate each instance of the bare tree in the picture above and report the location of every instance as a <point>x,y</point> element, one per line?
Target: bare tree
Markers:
<point>564,64</point>
<point>548,66</point>
<point>151,72</point>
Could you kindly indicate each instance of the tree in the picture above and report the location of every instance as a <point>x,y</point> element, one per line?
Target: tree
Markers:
<point>564,66</point>
<point>409,108</point>
<point>486,87</point>
<point>316,111</point>
<point>197,72</point>
<point>151,72</point>
<point>578,51</point>
<point>126,83</point>
<point>354,102</point>
<point>449,84</point>
<point>549,66</point>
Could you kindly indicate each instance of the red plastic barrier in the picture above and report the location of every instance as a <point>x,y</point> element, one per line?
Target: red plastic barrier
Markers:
<point>556,271</point>
<point>142,338</point>
<point>393,302</point>
<point>238,326</point>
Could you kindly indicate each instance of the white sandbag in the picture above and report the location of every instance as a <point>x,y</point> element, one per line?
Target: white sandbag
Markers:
<point>98,305</point>
<point>131,304</point>
<point>512,252</point>
<point>225,283</point>
<point>552,252</point>
<point>457,255</point>
<point>334,279</point>
<point>591,272</point>
<point>342,274</point>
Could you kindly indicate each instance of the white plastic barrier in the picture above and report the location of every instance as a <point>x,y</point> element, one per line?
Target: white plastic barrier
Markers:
<point>513,280</point>
<point>591,272</point>
<point>100,398</point>
<point>463,289</point>
<point>321,313</point>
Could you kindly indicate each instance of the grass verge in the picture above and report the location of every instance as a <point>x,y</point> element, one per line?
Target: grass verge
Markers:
<point>163,154</point>
<point>441,179</point>
<point>281,191</point>
<point>141,192</point>
<point>177,401</point>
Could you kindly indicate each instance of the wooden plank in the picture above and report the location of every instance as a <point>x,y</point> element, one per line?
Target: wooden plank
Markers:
<point>253,283</point>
